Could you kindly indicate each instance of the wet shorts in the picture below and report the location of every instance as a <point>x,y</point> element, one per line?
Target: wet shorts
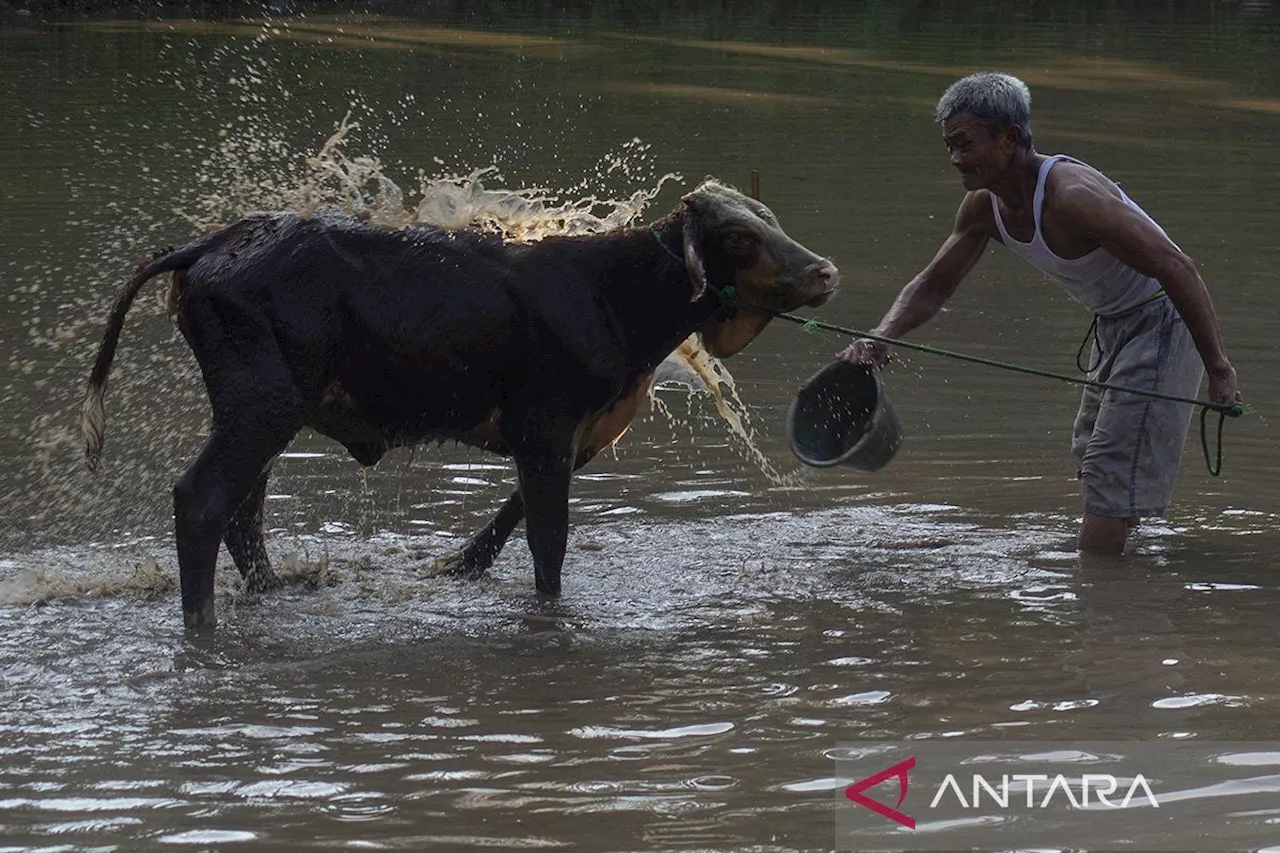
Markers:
<point>1129,446</point>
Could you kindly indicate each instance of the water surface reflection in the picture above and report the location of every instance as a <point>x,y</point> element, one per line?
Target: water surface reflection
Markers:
<point>723,631</point>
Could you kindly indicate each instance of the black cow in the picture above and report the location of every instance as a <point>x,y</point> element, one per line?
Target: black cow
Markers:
<point>379,338</point>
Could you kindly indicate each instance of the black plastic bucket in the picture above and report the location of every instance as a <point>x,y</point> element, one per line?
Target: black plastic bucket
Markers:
<point>842,417</point>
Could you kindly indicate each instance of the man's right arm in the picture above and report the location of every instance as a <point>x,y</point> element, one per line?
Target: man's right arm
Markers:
<point>925,294</point>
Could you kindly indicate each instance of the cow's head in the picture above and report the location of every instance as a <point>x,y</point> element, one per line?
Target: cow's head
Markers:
<point>731,240</point>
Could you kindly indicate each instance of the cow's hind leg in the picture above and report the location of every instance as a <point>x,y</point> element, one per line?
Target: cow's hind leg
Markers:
<point>475,558</point>
<point>208,495</point>
<point>245,541</point>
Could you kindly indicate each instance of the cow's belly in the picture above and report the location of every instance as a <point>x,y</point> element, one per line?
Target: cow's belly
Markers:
<point>369,432</point>
<point>353,422</point>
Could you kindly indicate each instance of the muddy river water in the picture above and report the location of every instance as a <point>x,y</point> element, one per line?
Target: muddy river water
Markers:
<point>729,619</point>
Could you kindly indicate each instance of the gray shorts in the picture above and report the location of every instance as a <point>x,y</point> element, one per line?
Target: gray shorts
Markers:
<point>1129,446</point>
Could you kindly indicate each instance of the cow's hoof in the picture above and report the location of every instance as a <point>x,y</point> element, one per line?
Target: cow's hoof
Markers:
<point>459,564</point>
<point>200,621</point>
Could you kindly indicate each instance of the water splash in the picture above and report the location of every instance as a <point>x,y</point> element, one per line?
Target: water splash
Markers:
<point>358,185</point>
<point>36,585</point>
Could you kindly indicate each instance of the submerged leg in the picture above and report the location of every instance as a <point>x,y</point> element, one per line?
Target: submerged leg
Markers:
<point>1101,534</point>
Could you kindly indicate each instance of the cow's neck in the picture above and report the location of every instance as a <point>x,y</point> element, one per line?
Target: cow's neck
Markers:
<point>727,325</point>
<point>644,280</point>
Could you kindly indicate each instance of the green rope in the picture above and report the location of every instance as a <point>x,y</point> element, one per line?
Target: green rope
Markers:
<point>1224,410</point>
<point>1214,470</point>
<point>730,302</point>
<point>665,247</point>
<point>1235,410</point>
<point>728,296</point>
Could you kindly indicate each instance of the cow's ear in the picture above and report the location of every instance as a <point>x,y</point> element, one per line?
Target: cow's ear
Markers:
<point>692,230</point>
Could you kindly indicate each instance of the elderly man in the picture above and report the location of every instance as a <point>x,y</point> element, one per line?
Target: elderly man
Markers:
<point>1156,327</point>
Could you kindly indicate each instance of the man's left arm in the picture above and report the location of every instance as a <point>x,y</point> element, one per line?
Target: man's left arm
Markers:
<point>1090,210</point>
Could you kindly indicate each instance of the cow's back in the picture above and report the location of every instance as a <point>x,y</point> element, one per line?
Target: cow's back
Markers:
<point>411,332</point>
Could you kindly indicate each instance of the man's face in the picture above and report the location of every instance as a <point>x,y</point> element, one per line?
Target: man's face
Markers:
<point>977,155</point>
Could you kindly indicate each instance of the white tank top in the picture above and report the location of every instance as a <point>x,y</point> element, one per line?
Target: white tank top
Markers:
<point>1099,281</point>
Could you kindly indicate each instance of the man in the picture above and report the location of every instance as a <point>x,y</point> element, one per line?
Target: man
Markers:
<point>1153,312</point>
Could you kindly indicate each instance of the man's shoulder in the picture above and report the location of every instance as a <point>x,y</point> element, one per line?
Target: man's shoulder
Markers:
<point>976,214</point>
<point>1076,194</point>
<point>1078,199</point>
<point>976,206</point>
<point>1071,180</point>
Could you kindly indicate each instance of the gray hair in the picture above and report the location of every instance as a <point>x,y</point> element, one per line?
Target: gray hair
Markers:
<point>996,100</point>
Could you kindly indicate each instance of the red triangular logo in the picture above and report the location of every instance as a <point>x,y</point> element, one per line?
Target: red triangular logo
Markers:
<point>854,792</point>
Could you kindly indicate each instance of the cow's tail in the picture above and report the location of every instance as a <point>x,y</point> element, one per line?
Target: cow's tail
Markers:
<point>93,415</point>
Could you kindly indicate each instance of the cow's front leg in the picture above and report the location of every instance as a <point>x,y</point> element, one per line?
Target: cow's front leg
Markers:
<point>475,558</point>
<point>544,484</point>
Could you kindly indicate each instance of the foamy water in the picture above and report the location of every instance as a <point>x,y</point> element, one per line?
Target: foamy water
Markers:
<point>722,633</point>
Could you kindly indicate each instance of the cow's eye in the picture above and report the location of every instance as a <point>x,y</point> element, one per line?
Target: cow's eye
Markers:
<point>738,243</point>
